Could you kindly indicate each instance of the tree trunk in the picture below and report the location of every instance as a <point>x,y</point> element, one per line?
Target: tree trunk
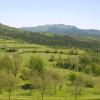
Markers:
<point>60,87</point>
<point>30,93</point>
<point>9,94</point>
<point>55,89</point>
<point>42,95</point>
<point>0,91</point>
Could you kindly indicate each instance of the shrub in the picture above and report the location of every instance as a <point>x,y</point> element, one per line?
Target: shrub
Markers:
<point>26,86</point>
<point>47,51</point>
<point>11,50</point>
<point>51,59</point>
<point>89,82</point>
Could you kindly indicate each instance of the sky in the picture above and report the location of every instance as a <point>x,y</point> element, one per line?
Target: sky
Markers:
<point>27,13</point>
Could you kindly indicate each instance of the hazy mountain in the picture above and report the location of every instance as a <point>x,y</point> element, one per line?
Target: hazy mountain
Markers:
<point>63,29</point>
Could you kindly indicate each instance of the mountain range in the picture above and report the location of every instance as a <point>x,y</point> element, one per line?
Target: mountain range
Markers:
<point>63,29</point>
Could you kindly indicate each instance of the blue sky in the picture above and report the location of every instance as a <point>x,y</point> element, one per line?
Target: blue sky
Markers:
<point>81,13</point>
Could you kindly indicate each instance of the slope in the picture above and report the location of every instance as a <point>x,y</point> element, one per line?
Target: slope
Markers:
<point>49,39</point>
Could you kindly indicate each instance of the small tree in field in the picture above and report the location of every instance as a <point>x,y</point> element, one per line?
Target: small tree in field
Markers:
<point>8,82</point>
<point>36,66</point>
<point>16,58</point>
<point>41,82</point>
<point>6,63</point>
<point>3,76</point>
<point>77,86</point>
<point>57,79</point>
<point>45,83</point>
<point>72,78</point>
<point>11,63</point>
<point>11,84</point>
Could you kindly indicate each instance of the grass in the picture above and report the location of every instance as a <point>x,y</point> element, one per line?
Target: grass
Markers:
<point>64,94</point>
<point>60,95</point>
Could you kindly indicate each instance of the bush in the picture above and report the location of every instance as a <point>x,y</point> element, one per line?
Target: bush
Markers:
<point>47,51</point>
<point>51,59</point>
<point>11,50</point>
<point>73,52</point>
<point>72,77</point>
<point>89,82</point>
<point>34,51</point>
<point>26,86</point>
<point>3,48</point>
<point>55,51</point>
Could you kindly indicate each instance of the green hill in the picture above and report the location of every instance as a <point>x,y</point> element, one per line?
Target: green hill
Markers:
<point>48,39</point>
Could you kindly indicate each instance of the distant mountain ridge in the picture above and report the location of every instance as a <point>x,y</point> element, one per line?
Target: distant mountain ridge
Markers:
<point>63,29</point>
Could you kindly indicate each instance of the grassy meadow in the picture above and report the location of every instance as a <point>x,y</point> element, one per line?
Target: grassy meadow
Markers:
<point>27,50</point>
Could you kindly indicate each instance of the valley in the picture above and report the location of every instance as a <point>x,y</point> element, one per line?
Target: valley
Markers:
<point>62,62</point>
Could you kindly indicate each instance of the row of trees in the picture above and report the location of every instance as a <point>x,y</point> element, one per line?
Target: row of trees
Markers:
<point>9,67</point>
<point>43,79</point>
<point>82,63</point>
<point>38,76</point>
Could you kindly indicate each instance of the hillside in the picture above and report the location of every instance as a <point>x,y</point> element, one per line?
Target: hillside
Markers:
<point>60,65</point>
<point>46,38</point>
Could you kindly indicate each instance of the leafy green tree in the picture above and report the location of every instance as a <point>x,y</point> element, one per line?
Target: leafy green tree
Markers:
<point>57,79</point>
<point>16,58</point>
<point>11,84</point>
<point>72,78</point>
<point>37,74</point>
<point>89,82</point>
<point>40,82</point>
<point>6,63</point>
<point>77,86</point>
<point>36,63</point>
<point>3,76</point>
<point>72,63</point>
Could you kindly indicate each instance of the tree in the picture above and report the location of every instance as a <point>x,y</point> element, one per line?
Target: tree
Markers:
<point>16,58</point>
<point>8,82</point>
<point>41,82</point>
<point>72,62</point>
<point>57,79</point>
<point>72,78</point>
<point>11,84</point>
<point>3,76</point>
<point>11,63</point>
<point>6,63</point>
<point>89,82</point>
<point>77,86</point>
<point>37,74</point>
<point>36,63</point>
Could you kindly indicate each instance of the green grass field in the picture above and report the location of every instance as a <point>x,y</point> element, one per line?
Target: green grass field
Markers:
<point>65,93</point>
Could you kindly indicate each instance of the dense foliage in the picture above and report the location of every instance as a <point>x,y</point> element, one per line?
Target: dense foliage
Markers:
<point>88,64</point>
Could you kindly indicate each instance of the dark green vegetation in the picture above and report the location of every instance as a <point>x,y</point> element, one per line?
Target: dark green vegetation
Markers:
<point>88,64</point>
<point>62,68</point>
